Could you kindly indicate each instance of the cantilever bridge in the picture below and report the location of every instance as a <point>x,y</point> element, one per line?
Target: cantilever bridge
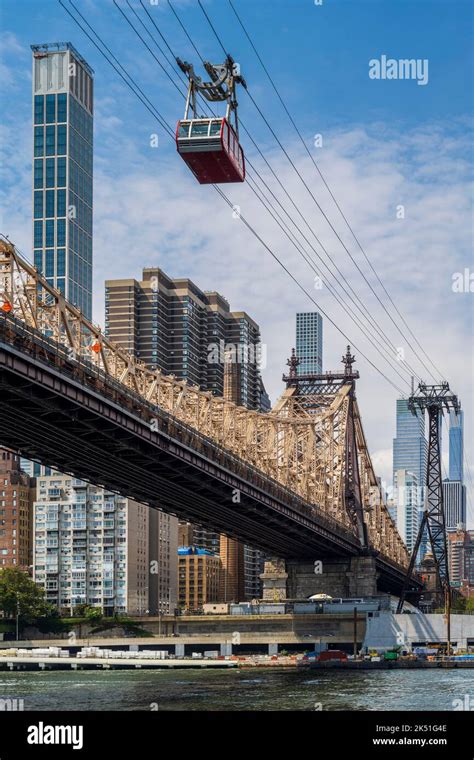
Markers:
<point>297,482</point>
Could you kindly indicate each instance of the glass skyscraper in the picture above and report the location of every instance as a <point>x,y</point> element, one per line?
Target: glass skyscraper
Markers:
<point>407,498</point>
<point>456,446</point>
<point>410,453</point>
<point>62,170</point>
<point>309,342</point>
<point>410,448</point>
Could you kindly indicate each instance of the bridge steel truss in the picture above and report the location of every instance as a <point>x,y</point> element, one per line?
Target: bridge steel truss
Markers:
<point>300,446</point>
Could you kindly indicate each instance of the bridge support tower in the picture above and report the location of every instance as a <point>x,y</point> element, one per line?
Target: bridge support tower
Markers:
<point>347,578</point>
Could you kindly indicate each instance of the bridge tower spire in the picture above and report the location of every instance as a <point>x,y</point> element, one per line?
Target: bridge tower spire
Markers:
<point>352,486</point>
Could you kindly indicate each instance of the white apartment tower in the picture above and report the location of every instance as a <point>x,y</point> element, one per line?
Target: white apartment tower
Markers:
<point>92,547</point>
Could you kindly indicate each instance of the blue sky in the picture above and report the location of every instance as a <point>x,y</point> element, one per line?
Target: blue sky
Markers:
<point>385,144</point>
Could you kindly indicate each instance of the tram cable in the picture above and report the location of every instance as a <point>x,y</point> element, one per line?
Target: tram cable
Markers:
<point>361,306</point>
<point>305,184</point>
<point>410,371</point>
<point>316,166</point>
<point>227,200</point>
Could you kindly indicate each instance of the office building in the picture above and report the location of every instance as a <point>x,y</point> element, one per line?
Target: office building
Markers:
<point>410,448</point>
<point>198,577</point>
<point>93,547</point>
<point>454,490</point>
<point>232,575</point>
<point>456,446</point>
<point>62,170</point>
<point>410,453</point>
<point>407,506</point>
<point>454,500</point>
<point>16,507</point>
<point>309,342</point>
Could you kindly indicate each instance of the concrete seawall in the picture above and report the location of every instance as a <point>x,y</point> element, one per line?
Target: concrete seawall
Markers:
<point>385,630</point>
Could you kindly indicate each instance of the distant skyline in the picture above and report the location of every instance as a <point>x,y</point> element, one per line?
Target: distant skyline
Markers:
<point>395,154</point>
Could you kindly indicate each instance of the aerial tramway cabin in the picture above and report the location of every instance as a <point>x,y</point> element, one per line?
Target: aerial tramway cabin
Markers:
<point>210,144</point>
<point>211,149</point>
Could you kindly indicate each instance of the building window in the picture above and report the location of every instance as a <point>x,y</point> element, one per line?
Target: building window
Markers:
<point>61,262</point>
<point>62,134</point>
<point>49,264</point>
<point>50,109</point>
<point>50,141</point>
<point>39,109</point>
<point>50,172</point>
<point>61,203</point>
<point>38,173</point>
<point>38,235</point>
<point>62,107</point>
<point>61,172</point>
<point>38,204</point>
<point>61,232</point>
<point>38,259</point>
<point>49,233</point>
<point>49,203</point>
<point>39,141</point>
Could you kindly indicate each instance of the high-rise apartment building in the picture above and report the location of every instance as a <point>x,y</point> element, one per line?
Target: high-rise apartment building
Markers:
<point>199,572</point>
<point>172,325</point>
<point>460,548</point>
<point>309,342</point>
<point>163,562</point>
<point>92,547</point>
<point>16,507</point>
<point>469,563</point>
<point>62,170</point>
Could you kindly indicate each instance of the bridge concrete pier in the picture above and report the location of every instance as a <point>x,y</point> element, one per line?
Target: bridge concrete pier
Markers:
<point>347,578</point>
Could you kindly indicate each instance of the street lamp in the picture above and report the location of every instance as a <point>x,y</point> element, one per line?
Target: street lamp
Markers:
<point>17,617</point>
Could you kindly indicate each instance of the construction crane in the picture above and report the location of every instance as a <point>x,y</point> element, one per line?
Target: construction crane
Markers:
<point>434,399</point>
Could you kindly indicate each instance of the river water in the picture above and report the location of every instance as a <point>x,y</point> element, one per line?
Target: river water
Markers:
<point>265,689</point>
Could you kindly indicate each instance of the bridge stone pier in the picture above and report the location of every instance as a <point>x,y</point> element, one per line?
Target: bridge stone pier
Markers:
<point>347,578</point>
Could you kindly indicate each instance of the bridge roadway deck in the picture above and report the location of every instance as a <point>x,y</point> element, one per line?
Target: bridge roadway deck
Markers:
<point>74,417</point>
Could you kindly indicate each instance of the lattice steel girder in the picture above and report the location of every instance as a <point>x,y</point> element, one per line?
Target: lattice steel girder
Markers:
<point>300,444</point>
<point>433,399</point>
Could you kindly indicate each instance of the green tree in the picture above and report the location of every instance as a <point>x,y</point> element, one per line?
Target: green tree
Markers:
<point>20,594</point>
<point>470,604</point>
<point>459,604</point>
<point>93,613</point>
